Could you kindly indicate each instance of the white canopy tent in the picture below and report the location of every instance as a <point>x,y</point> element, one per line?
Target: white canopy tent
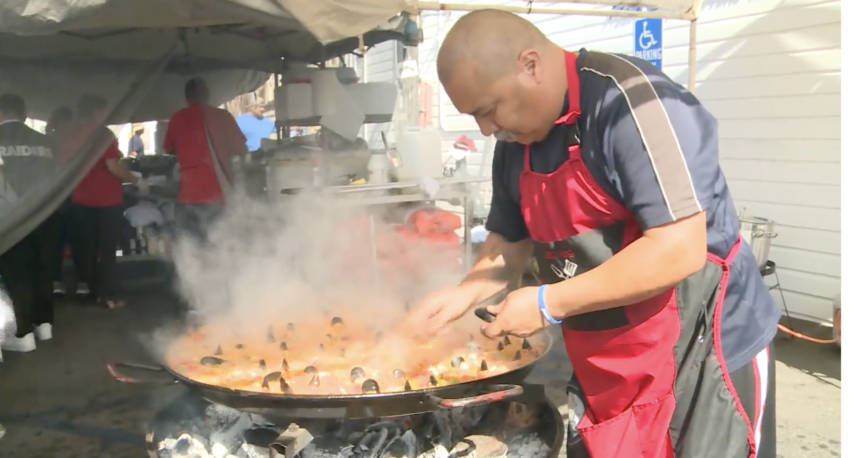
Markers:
<point>136,56</point>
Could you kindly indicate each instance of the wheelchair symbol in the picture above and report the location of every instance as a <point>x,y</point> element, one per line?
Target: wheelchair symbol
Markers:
<point>646,39</point>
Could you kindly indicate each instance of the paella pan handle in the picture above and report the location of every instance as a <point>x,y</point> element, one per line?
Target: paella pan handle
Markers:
<point>154,375</point>
<point>497,297</point>
<point>498,393</point>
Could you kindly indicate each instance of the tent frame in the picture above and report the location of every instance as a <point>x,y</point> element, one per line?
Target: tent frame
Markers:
<point>561,7</point>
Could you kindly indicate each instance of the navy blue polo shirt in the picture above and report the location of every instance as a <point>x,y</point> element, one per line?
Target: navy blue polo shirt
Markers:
<point>659,157</point>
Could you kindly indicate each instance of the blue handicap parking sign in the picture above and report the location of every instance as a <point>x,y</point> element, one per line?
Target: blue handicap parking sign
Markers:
<point>648,41</point>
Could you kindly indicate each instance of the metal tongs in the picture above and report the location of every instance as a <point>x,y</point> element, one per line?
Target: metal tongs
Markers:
<point>496,298</point>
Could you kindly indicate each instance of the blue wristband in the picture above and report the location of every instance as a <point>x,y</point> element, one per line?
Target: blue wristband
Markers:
<point>542,306</point>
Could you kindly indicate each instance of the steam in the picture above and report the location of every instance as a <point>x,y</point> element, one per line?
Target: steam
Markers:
<point>307,258</point>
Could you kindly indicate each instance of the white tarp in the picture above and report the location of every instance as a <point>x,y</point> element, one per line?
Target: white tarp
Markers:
<point>138,54</point>
<point>327,20</point>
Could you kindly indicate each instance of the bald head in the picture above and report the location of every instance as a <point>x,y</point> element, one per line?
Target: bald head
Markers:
<point>488,43</point>
<point>503,71</point>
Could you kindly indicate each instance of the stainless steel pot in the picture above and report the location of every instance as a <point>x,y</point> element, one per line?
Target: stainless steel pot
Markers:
<point>758,233</point>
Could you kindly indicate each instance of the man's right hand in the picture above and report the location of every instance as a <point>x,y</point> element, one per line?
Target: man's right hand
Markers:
<point>447,305</point>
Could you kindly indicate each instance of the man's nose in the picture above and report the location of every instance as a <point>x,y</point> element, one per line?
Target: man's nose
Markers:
<point>487,126</point>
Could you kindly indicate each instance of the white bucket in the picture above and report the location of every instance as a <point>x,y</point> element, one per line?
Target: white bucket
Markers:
<point>420,153</point>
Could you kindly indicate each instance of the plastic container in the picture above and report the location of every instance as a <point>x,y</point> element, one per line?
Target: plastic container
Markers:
<point>420,153</point>
<point>378,167</point>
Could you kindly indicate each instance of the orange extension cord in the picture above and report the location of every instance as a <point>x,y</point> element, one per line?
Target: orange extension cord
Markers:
<point>837,324</point>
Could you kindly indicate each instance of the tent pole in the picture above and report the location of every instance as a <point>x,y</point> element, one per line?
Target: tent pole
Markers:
<point>692,56</point>
<point>537,9</point>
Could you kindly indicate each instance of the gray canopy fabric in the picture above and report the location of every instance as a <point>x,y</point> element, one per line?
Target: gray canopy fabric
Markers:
<point>137,55</point>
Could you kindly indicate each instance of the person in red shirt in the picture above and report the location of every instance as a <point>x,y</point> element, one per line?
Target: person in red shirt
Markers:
<point>97,200</point>
<point>204,139</point>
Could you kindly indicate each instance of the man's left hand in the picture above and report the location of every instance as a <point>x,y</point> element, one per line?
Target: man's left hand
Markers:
<point>517,315</point>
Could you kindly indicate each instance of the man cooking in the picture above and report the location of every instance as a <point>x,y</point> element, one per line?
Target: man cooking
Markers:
<point>608,172</point>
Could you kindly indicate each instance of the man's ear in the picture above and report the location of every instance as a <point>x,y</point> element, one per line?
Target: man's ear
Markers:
<point>529,62</point>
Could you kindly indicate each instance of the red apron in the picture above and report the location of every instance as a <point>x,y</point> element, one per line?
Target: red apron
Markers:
<point>652,374</point>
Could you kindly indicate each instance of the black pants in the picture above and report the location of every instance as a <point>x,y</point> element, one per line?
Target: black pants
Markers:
<point>96,232</point>
<point>195,219</point>
<point>63,216</point>
<point>27,274</point>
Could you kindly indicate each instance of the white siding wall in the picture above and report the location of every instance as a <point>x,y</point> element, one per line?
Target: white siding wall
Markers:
<point>770,70</point>
<point>381,65</point>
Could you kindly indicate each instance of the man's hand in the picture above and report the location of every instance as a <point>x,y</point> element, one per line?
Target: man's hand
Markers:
<point>442,307</point>
<point>517,315</point>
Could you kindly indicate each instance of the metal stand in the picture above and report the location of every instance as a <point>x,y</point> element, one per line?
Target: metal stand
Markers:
<point>409,192</point>
<point>768,270</point>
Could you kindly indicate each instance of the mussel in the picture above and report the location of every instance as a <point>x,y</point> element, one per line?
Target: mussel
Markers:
<point>270,338</point>
<point>239,346</point>
<point>291,327</point>
<point>370,387</point>
<point>484,367</point>
<point>407,386</point>
<point>315,380</point>
<point>211,361</point>
<point>517,356</point>
<point>311,370</point>
<point>500,346</point>
<point>506,341</point>
<point>270,378</point>
<point>285,387</point>
<point>526,345</point>
<point>457,361</point>
<point>356,373</point>
<point>283,346</point>
<point>336,320</point>
<point>398,373</point>
<point>285,365</point>
<point>433,381</point>
<point>218,351</point>
<point>262,364</point>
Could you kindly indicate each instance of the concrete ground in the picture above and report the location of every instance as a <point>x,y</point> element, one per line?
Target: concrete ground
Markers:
<point>60,402</point>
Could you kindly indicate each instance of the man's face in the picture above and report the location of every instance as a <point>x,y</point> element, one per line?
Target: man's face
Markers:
<point>510,107</point>
<point>257,110</point>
